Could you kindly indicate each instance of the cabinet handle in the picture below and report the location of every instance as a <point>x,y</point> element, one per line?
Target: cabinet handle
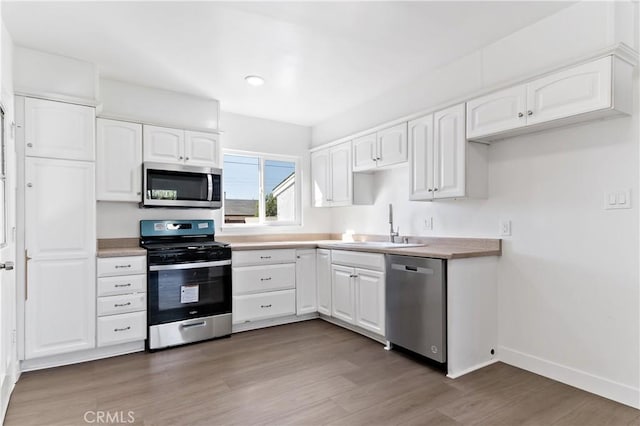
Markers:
<point>265,279</point>
<point>430,190</point>
<point>180,158</point>
<point>120,305</point>
<point>265,257</point>
<point>353,276</point>
<point>529,112</point>
<point>29,145</point>
<point>29,185</point>
<point>520,115</point>
<point>186,158</point>
<point>122,329</point>
<point>123,285</point>
<point>435,189</point>
<point>138,193</point>
<point>297,257</point>
<point>265,306</point>
<point>122,266</point>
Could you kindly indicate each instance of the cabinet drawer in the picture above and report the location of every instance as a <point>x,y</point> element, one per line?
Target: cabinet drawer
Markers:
<point>358,259</point>
<point>110,286</point>
<point>120,304</point>
<point>257,279</point>
<point>263,257</point>
<point>254,307</point>
<point>123,328</point>
<point>130,265</point>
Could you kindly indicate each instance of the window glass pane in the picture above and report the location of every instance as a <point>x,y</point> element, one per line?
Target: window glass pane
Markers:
<point>280,190</point>
<point>241,175</point>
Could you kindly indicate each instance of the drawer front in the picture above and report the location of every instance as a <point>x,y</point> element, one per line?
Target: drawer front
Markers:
<point>263,257</point>
<point>358,259</point>
<point>111,286</point>
<point>122,328</point>
<point>111,305</point>
<point>253,307</point>
<point>258,279</point>
<point>130,265</point>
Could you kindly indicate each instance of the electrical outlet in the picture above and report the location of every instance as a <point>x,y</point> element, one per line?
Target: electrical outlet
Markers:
<point>505,228</point>
<point>428,223</point>
<point>620,199</point>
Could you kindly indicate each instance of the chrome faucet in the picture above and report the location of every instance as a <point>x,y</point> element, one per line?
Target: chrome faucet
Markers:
<point>392,234</point>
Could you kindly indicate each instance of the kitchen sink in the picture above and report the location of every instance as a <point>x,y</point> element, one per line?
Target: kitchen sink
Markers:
<point>377,244</point>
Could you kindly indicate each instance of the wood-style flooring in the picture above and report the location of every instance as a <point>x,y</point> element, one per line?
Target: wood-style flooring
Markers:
<point>304,374</point>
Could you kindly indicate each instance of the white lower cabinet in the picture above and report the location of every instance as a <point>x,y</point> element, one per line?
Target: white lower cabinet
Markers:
<point>343,293</point>
<point>306,293</point>
<point>253,307</point>
<point>122,300</point>
<point>323,280</point>
<point>370,301</point>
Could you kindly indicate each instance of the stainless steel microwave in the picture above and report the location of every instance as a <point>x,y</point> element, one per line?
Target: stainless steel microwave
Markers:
<point>176,185</point>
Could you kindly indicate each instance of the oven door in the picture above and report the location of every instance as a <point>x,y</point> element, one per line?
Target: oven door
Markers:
<point>188,290</point>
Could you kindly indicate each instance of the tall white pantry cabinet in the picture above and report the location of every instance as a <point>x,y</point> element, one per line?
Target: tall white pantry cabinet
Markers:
<point>59,225</point>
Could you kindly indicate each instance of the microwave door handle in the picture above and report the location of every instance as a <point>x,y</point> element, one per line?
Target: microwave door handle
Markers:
<point>209,187</point>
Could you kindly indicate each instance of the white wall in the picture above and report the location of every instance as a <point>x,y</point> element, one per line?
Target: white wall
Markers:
<point>116,220</point>
<point>569,298</point>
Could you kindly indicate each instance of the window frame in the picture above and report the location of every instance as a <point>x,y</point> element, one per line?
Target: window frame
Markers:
<point>262,157</point>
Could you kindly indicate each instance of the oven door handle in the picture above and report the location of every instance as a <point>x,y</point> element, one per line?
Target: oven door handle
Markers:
<point>195,265</point>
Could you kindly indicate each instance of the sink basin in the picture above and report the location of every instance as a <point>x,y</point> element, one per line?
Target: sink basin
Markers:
<point>378,244</point>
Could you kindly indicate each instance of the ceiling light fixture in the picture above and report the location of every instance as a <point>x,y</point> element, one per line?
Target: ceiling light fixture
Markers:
<point>254,80</point>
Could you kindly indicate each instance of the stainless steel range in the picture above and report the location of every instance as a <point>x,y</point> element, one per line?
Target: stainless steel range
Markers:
<point>188,282</point>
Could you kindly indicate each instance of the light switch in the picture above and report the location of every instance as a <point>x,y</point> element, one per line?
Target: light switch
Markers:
<point>428,223</point>
<point>620,199</point>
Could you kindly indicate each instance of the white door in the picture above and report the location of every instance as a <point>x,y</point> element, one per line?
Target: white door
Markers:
<point>320,178</point>
<point>8,352</point>
<point>449,152</point>
<point>306,301</point>
<point>392,145</point>
<point>119,162</point>
<point>370,307</point>
<point>201,149</point>
<point>60,245</point>
<point>577,90</point>
<point>163,145</point>
<point>323,280</point>
<point>59,130</point>
<point>497,112</point>
<point>365,152</point>
<point>343,293</point>
<point>340,177</point>
<point>421,158</point>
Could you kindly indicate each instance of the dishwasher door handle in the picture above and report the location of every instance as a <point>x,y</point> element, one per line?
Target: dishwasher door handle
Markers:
<point>414,269</point>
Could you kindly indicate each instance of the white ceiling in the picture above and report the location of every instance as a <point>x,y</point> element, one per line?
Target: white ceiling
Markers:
<point>318,58</point>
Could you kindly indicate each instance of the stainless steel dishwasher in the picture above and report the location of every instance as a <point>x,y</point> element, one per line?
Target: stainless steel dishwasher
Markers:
<point>416,308</point>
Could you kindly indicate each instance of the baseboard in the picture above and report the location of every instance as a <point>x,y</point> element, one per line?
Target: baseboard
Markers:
<point>471,369</point>
<point>81,356</point>
<point>5,394</point>
<point>254,325</point>
<point>606,388</point>
<point>353,328</point>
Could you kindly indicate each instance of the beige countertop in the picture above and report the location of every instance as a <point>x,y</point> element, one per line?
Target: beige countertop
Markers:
<point>118,247</point>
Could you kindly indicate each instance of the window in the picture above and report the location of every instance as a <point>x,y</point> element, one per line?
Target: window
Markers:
<point>260,189</point>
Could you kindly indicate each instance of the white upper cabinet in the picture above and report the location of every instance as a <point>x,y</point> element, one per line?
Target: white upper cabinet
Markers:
<point>365,152</point>
<point>574,91</point>
<point>594,89</point>
<point>201,149</point>
<point>119,160</point>
<point>320,178</point>
<point>443,164</point>
<point>59,130</point>
<point>384,148</point>
<point>392,145</point>
<point>449,146</point>
<point>497,112</point>
<point>163,145</point>
<point>340,176</point>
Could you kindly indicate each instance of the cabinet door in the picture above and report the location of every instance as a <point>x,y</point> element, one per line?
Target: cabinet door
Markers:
<point>341,177</point>
<point>497,112</point>
<point>201,149</point>
<point>343,293</point>
<point>320,178</point>
<point>365,152</point>
<point>163,145</point>
<point>574,91</point>
<point>59,209</point>
<point>392,145</point>
<point>449,146</point>
<point>323,280</point>
<point>370,307</point>
<point>421,161</point>
<point>60,307</point>
<point>59,130</point>
<point>119,163</point>
<point>306,301</point>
